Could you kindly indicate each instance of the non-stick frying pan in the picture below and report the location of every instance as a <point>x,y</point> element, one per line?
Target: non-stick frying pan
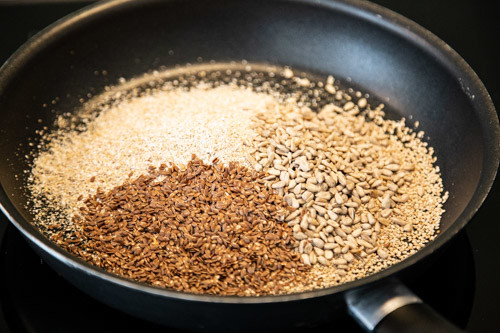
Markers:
<point>395,60</point>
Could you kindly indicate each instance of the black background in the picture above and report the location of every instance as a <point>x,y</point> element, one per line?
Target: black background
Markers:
<point>470,27</point>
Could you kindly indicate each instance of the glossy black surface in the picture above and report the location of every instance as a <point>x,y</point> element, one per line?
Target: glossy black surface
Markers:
<point>489,308</point>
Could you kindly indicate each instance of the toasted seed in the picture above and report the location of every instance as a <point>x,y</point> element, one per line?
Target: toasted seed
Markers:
<point>312,258</point>
<point>357,232</point>
<point>319,209</point>
<point>420,191</point>
<point>299,236</point>
<point>303,164</point>
<point>313,188</point>
<point>288,199</point>
<point>307,196</point>
<point>338,198</point>
<point>304,224</point>
<point>402,198</point>
<point>322,260</point>
<point>340,272</point>
<point>393,187</point>
<point>324,195</point>
<point>328,229</point>
<point>328,254</point>
<point>398,221</point>
<point>364,243</point>
<point>339,261</point>
<point>351,204</point>
<point>274,172</point>
<point>300,180</point>
<point>330,89</point>
<point>330,181</point>
<point>329,246</point>
<point>345,222</point>
<point>382,253</point>
<point>366,226</point>
<point>318,242</point>
<point>392,167</point>
<point>408,166</point>
<point>279,184</point>
<point>319,176</point>
<point>308,248</point>
<point>341,179</point>
<point>348,257</point>
<point>386,202</point>
<point>348,106</point>
<point>270,178</point>
<point>302,243</point>
<point>384,221</point>
<point>318,251</point>
<point>386,212</point>
<point>351,244</point>
<point>285,176</point>
<point>340,233</point>
<point>371,219</point>
<point>297,189</point>
<point>333,216</point>
<point>360,190</point>
<point>292,215</point>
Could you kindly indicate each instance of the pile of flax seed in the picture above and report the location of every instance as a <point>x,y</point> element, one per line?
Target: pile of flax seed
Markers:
<point>354,191</point>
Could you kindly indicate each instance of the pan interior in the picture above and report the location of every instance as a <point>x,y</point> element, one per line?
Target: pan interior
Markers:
<point>78,62</point>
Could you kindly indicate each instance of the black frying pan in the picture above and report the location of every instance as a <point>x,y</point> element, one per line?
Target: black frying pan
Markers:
<point>392,58</point>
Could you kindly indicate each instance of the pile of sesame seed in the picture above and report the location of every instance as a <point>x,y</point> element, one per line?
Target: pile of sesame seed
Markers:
<point>363,191</point>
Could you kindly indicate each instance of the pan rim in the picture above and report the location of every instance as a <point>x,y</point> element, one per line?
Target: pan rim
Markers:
<point>363,10</point>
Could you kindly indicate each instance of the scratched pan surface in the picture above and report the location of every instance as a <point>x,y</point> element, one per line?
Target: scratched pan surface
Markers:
<point>384,54</point>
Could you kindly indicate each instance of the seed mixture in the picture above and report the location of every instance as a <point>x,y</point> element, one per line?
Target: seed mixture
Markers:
<point>204,228</point>
<point>365,189</point>
<point>163,127</point>
<point>310,185</point>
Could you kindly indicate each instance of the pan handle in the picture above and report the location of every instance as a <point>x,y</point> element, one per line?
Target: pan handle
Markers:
<point>390,307</point>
